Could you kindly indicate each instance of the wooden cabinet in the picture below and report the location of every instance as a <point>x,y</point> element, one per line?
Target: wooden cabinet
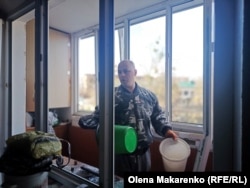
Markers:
<point>58,68</point>
<point>30,66</point>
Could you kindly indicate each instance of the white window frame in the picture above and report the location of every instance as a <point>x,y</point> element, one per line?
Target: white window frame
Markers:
<point>89,32</point>
<point>164,8</point>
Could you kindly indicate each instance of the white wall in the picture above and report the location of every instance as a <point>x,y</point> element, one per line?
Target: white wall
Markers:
<point>18,77</point>
<point>18,83</point>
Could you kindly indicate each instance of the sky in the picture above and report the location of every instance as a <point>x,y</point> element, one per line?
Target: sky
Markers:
<point>187,45</point>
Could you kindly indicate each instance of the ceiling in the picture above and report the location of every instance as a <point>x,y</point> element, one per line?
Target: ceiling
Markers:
<point>9,6</point>
<point>74,15</point>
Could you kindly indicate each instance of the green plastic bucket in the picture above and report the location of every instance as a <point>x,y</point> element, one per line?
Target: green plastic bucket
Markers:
<point>125,139</point>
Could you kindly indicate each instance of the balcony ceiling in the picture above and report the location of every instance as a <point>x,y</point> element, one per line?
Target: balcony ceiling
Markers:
<point>73,15</point>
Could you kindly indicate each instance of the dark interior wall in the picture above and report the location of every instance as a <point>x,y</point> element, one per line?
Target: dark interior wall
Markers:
<point>227,86</point>
<point>83,143</point>
<point>223,89</point>
<point>246,90</point>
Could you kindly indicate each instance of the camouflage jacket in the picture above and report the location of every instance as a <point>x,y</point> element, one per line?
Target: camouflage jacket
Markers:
<point>139,110</point>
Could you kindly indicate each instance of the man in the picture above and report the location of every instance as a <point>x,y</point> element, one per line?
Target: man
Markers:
<point>139,108</point>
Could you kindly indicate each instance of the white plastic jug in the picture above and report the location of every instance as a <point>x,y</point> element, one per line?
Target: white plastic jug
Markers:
<point>174,154</point>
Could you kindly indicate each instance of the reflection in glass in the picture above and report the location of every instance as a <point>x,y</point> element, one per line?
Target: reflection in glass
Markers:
<point>119,51</point>
<point>147,50</point>
<point>87,75</point>
<point>187,66</point>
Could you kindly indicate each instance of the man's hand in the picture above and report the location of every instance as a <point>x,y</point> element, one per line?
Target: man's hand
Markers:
<point>172,134</point>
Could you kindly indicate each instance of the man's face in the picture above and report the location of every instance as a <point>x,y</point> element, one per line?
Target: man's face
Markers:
<point>126,73</point>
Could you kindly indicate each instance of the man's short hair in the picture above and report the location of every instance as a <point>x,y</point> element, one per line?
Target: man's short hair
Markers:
<point>129,61</point>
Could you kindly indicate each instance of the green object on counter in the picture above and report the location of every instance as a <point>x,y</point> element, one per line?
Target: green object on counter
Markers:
<point>125,139</point>
<point>36,144</point>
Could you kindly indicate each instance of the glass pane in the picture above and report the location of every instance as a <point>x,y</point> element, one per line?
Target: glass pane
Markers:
<point>119,41</point>
<point>23,69</point>
<point>87,77</point>
<point>187,66</point>
<point>147,50</point>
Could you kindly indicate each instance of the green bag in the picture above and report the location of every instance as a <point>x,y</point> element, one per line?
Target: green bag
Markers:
<point>37,144</point>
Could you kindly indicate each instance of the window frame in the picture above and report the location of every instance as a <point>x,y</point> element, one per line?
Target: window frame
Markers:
<point>160,9</point>
<point>181,126</point>
<point>89,32</point>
